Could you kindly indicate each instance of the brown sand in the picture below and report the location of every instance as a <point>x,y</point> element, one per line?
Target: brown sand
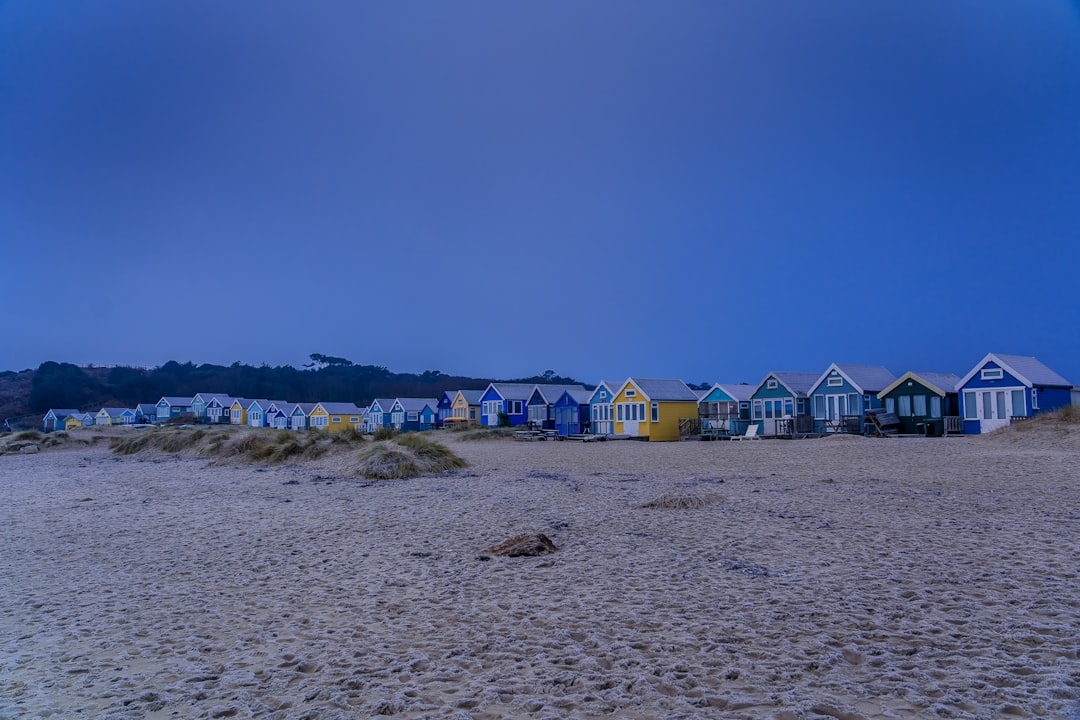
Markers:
<point>842,578</point>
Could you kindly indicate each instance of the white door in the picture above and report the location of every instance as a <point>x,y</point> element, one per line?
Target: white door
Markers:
<point>995,409</point>
<point>491,413</point>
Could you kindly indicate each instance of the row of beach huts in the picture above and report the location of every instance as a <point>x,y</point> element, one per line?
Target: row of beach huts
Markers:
<point>859,399</point>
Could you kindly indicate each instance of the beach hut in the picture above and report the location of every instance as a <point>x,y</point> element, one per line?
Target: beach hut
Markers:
<point>335,416</point>
<point>145,413</point>
<point>77,420</point>
<point>446,406</point>
<point>200,402</point>
<point>571,412</point>
<point>414,414</point>
<point>173,407</point>
<point>724,409</point>
<point>602,408</point>
<point>217,410</point>
<point>55,418</point>
<point>508,398</point>
<point>257,412</point>
<point>238,411</point>
<point>378,414</point>
<point>466,406</point>
<point>780,404</point>
<point>925,402</point>
<point>541,404</point>
<point>298,418</point>
<point>650,408</point>
<point>1004,388</point>
<point>842,395</point>
<point>115,416</point>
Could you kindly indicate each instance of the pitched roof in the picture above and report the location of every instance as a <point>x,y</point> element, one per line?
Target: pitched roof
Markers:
<point>62,412</point>
<point>178,401</point>
<point>116,412</point>
<point>340,408</point>
<point>305,408</point>
<point>551,393</point>
<point>513,391</point>
<point>417,404</point>
<point>1027,370</point>
<point>472,397</point>
<point>579,396</point>
<point>864,378</point>
<point>146,408</point>
<point>207,397</point>
<point>940,383</point>
<point>737,391</point>
<point>662,390</point>
<point>611,387</point>
<point>797,383</point>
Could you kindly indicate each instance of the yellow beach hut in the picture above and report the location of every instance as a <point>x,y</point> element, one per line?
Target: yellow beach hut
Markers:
<point>651,408</point>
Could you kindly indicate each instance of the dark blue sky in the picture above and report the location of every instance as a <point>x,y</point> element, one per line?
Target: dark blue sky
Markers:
<point>704,190</point>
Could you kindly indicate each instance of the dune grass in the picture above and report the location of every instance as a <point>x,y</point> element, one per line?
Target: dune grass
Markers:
<point>680,501</point>
<point>385,433</point>
<point>404,455</point>
<point>486,433</point>
<point>27,435</point>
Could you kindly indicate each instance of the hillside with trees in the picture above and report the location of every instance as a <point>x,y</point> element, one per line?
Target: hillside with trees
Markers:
<point>64,385</point>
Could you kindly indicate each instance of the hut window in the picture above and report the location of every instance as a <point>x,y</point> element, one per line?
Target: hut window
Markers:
<point>853,404</point>
<point>920,405</point>
<point>935,406</point>
<point>1018,403</point>
<point>631,393</point>
<point>904,401</point>
<point>890,405</point>
<point>836,381</point>
<point>337,419</point>
<point>515,407</point>
<point>1034,399</point>
<point>819,407</point>
<point>971,408</point>
<point>655,412</point>
<point>789,407</point>
<point>413,417</point>
<point>992,374</point>
<point>772,384</point>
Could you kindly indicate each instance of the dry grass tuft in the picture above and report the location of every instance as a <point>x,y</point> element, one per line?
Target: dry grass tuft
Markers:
<point>434,456</point>
<point>385,433</point>
<point>384,462</point>
<point>27,435</point>
<point>487,433</point>
<point>681,501</point>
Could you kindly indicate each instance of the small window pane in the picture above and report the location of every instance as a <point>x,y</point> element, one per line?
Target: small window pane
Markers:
<point>904,402</point>
<point>1000,397</point>
<point>920,405</point>
<point>1018,403</point>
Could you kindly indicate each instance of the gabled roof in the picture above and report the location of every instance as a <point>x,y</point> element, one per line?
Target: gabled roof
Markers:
<point>243,402</point>
<point>661,390</point>
<point>282,407</point>
<point>263,403</point>
<point>513,391</point>
<point>62,412</point>
<point>146,408</point>
<point>471,397</point>
<point>579,396</point>
<point>222,400</point>
<point>940,383</point>
<point>305,408</point>
<point>384,404</point>
<point>417,404</point>
<point>864,378</point>
<point>340,408</point>
<point>175,401</point>
<point>797,383</point>
<point>611,387</point>
<point>207,397</point>
<point>115,412</point>
<point>551,393</point>
<point>1027,370</point>
<point>740,392</point>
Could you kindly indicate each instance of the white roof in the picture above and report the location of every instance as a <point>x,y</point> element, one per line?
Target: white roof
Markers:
<point>1027,370</point>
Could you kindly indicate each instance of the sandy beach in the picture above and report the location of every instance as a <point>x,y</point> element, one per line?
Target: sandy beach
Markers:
<point>838,578</point>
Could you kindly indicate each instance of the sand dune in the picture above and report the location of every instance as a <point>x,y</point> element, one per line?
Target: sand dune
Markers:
<point>843,578</point>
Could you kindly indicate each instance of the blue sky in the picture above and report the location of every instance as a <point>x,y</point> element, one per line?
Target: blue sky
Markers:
<point>703,190</point>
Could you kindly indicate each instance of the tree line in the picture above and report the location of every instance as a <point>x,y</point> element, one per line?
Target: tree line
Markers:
<point>328,378</point>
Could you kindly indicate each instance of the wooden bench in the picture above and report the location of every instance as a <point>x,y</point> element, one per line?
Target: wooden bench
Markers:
<point>884,423</point>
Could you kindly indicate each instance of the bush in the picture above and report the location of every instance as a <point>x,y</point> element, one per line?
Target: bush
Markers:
<point>385,433</point>
<point>504,420</point>
<point>491,433</point>
<point>28,435</point>
<point>385,463</point>
<point>435,456</point>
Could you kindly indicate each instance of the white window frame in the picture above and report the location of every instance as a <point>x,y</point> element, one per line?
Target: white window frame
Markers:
<point>1034,398</point>
<point>515,407</point>
<point>834,381</point>
<point>631,393</point>
<point>992,374</point>
<point>412,417</point>
<point>772,384</point>
<point>335,419</point>
<point>654,412</point>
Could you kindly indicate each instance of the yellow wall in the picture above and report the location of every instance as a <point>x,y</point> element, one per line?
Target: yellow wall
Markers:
<point>102,419</point>
<point>460,408</point>
<point>243,414</point>
<point>72,422</point>
<point>667,428</point>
